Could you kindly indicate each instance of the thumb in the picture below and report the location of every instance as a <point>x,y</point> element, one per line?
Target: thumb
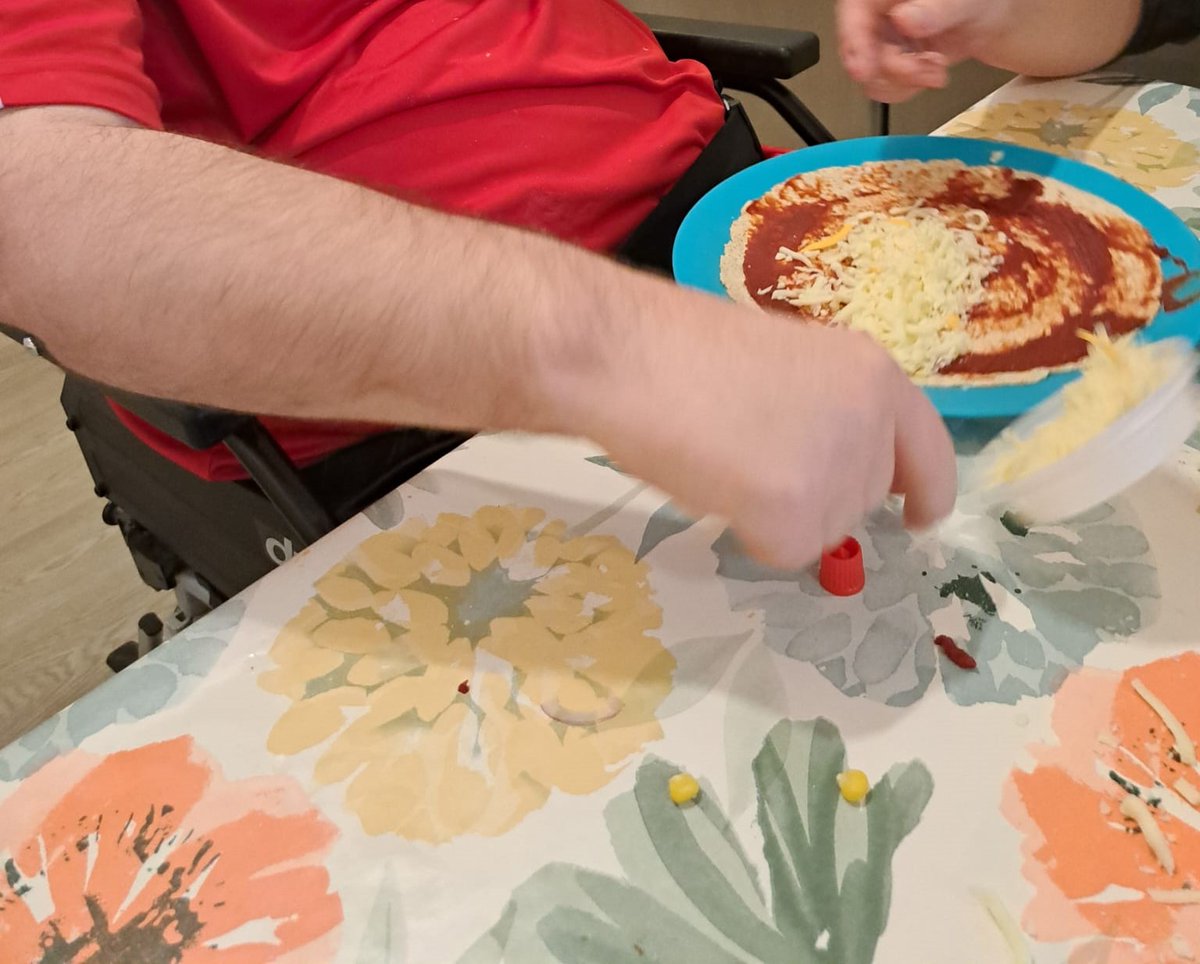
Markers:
<point>922,19</point>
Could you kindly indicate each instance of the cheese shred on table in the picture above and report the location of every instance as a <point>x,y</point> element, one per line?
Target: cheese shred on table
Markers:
<point>909,279</point>
<point>1137,811</point>
<point>1183,743</point>
<point>1116,376</point>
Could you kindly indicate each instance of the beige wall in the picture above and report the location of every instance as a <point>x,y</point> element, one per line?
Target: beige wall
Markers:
<point>837,101</point>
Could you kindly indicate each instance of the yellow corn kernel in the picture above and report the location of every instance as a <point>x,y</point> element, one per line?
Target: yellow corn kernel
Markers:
<point>683,788</point>
<point>828,241</point>
<point>854,786</point>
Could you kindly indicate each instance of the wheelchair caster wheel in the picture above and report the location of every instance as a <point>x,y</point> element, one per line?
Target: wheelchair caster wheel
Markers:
<point>150,632</point>
<point>123,656</point>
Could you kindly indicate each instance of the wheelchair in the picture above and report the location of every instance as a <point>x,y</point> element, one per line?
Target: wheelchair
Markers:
<point>205,540</point>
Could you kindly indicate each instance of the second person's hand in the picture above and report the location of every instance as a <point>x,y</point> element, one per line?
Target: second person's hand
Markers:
<point>896,48</point>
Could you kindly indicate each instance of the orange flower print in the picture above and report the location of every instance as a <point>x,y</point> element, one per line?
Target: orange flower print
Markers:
<point>1095,871</point>
<point>455,673</point>
<point>150,855</point>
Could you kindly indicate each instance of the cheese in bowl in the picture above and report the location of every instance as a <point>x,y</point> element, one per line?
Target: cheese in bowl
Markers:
<point>1130,410</point>
<point>1115,377</point>
<point>967,275</point>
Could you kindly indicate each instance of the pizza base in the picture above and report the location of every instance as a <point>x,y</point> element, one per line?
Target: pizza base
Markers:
<point>1135,289</point>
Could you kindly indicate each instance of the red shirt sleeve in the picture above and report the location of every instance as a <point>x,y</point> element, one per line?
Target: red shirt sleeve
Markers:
<point>78,52</point>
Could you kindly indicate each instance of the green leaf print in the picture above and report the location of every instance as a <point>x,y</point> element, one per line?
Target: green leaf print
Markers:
<point>1156,95</point>
<point>1029,604</point>
<point>667,521</point>
<point>690,895</point>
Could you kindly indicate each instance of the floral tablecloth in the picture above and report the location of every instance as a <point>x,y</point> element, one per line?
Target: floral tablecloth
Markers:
<point>447,731</point>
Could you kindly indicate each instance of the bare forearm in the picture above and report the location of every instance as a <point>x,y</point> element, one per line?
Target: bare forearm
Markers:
<point>1055,38</point>
<point>178,268</point>
<point>896,48</point>
<point>173,267</point>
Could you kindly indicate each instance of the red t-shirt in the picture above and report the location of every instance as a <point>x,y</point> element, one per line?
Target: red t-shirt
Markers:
<point>558,115</point>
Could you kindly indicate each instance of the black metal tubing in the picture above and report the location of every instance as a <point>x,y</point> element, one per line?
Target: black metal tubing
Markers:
<point>791,108</point>
<point>881,118</point>
<point>274,473</point>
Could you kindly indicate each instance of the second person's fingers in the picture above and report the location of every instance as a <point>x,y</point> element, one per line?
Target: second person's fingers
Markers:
<point>857,23</point>
<point>888,93</point>
<point>920,19</point>
<point>904,69</point>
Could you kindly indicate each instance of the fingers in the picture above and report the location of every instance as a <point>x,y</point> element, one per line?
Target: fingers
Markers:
<point>857,37</point>
<point>925,471</point>
<point>824,512</point>
<point>881,54</point>
<point>786,559</point>
<point>924,19</point>
<point>902,75</point>
<point>924,70</point>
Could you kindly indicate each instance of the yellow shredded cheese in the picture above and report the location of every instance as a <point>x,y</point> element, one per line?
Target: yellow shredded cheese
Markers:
<point>906,281</point>
<point>1115,376</point>
<point>828,241</point>
<point>1135,808</point>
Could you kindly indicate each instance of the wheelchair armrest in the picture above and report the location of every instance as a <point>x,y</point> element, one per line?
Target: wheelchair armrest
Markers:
<point>738,55</point>
<point>195,426</point>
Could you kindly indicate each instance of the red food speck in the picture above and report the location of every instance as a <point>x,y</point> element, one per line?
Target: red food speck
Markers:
<point>464,687</point>
<point>956,654</point>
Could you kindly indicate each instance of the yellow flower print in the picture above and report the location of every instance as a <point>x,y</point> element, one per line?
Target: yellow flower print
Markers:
<point>1132,146</point>
<point>455,673</point>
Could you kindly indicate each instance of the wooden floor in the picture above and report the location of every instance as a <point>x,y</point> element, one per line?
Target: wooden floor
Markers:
<point>68,590</point>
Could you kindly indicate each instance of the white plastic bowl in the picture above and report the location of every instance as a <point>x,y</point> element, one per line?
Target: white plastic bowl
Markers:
<point>1129,449</point>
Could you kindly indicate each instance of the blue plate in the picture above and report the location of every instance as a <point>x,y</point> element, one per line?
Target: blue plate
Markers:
<point>705,230</point>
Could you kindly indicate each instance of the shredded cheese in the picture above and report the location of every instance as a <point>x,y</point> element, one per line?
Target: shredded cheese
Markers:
<point>1183,743</point>
<point>906,280</point>
<point>1187,791</point>
<point>1135,808</point>
<point>1116,376</point>
<point>1014,939</point>
<point>1184,896</point>
<point>829,241</point>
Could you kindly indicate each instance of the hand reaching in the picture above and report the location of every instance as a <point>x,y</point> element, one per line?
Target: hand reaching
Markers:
<point>896,48</point>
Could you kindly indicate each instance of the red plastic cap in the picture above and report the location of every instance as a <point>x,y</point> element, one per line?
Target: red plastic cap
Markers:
<point>842,569</point>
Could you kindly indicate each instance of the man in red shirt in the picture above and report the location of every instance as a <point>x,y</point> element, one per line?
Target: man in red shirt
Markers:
<point>355,212</point>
